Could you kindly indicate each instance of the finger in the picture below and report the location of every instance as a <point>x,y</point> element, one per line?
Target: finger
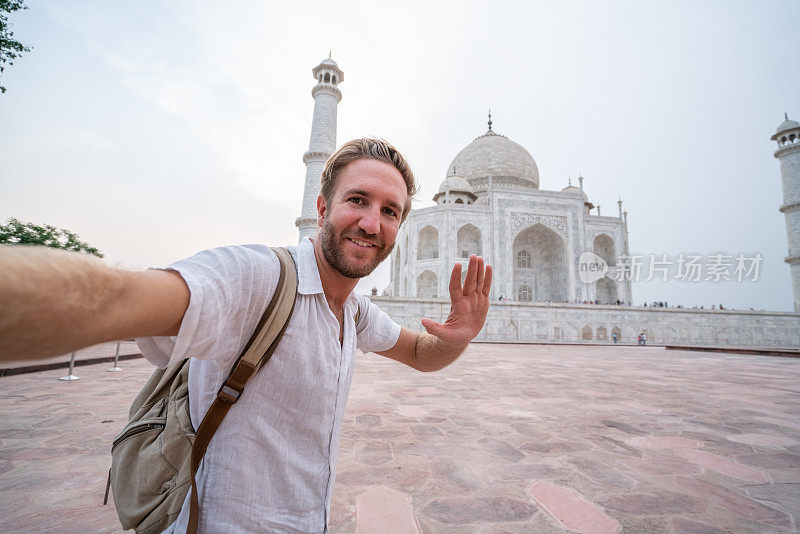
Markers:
<point>455,282</point>
<point>479,283</point>
<point>487,283</point>
<point>472,275</point>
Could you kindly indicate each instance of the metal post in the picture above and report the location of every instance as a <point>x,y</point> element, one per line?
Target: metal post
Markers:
<point>70,376</point>
<point>116,368</point>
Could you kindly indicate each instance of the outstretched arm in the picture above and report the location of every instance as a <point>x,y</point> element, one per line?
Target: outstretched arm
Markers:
<point>53,302</point>
<point>445,342</point>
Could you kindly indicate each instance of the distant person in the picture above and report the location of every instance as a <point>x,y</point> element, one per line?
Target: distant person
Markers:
<point>614,336</point>
<point>269,468</point>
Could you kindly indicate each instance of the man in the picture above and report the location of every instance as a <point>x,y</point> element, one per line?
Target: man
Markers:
<point>270,466</point>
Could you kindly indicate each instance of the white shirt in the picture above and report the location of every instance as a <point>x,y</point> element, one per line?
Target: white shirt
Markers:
<point>270,466</point>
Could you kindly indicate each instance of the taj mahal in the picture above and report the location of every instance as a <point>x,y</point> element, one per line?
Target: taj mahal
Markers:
<point>490,204</point>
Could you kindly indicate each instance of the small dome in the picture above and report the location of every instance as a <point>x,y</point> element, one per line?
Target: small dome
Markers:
<point>329,61</point>
<point>455,185</point>
<point>455,182</point>
<point>786,125</point>
<point>575,191</point>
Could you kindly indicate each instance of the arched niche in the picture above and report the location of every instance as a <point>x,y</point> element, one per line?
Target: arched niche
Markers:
<point>427,285</point>
<point>547,274</point>
<point>586,333</point>
<point>606,291</point>
<point>468,241</point>
<point>602,334</point>
<point>604,247</point>
<point>428,243</point>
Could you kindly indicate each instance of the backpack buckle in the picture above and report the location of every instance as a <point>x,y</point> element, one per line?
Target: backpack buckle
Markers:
<point>228,393</point>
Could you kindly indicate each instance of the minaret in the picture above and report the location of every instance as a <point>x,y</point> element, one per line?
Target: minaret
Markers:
<point>323,140</point>
<point>788,153</point>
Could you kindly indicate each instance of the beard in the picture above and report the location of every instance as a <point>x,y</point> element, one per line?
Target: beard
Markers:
<point>332,248</point>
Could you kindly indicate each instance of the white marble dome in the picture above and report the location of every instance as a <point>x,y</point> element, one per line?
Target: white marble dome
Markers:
<point>455,182</point>
<point>575,191</point>
<point>788,124</point>
<point>498,156</point>
<point>458,187</point>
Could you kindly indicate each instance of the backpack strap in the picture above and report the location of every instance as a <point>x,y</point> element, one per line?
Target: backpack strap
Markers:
<point>256,353</point>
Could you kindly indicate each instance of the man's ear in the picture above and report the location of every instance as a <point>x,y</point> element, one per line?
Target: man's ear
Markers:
<point>322,210</point>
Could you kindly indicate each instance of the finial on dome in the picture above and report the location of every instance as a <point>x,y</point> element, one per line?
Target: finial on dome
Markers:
<point>330,51</point>
<point>580,180</point>
<point>569,180</point>
<point>490,119</point>
<point>785,116</point>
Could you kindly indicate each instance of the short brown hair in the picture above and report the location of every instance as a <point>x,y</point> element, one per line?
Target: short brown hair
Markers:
<point>367,148</point>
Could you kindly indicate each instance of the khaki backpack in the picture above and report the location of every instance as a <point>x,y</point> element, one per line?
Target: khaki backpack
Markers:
<point>155,458</point>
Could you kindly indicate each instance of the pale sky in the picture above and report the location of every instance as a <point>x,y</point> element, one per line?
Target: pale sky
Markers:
<point>158,129</point>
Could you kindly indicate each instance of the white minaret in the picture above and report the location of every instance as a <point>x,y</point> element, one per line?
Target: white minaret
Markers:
<point>323,140</point>
<point>788,153</point>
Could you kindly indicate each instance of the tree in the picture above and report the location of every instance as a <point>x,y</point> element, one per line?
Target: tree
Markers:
<point>19,233</point>
<point>10,49</point>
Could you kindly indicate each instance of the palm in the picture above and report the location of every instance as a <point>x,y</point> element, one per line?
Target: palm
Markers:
<point>469,304</point>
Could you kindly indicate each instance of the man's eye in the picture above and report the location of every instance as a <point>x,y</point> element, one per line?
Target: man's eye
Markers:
<point>390,212</point>
<point>357,200</point>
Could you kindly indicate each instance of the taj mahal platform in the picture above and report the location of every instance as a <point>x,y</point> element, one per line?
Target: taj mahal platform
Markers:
<point>528,322</point>
<point>511,438</point>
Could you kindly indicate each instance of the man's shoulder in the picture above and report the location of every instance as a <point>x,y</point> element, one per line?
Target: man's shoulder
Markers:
<point>230,259</point>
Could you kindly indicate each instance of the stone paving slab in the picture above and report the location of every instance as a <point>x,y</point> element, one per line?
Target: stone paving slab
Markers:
<point>511,438</point>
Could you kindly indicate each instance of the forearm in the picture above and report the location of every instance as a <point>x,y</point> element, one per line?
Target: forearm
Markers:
<point>53,302</point>
<point>434,354</point>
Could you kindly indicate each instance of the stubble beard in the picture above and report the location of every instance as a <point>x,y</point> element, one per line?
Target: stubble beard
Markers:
<point>332,250</point>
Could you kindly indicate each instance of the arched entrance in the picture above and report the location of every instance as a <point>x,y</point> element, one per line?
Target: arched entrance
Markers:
<point>427,283</point>
<point>540,264</point>
<point>606,291</point>
<point>604,247</point>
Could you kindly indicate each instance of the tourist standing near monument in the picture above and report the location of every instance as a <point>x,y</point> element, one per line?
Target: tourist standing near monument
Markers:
<point>270,466</point>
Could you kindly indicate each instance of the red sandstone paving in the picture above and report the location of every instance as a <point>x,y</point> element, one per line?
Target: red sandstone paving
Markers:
<point>511,438</point>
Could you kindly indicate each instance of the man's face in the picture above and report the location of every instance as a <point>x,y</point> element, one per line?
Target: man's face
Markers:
<point>360,224</point>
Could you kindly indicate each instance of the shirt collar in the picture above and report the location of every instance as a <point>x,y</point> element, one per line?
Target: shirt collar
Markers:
<point>308,280</point>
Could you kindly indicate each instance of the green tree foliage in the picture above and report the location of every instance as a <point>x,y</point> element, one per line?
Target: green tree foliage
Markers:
<point>10,49</point>
<point>19,233</point>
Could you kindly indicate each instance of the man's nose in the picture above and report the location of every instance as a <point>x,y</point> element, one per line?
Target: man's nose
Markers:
<point>370,222</point>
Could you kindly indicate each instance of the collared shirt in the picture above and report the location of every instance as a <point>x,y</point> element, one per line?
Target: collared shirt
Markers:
<point>270,466</point>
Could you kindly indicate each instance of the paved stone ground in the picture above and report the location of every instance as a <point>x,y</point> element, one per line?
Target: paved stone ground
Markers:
<point>511,438</point>
<point>103,350</point>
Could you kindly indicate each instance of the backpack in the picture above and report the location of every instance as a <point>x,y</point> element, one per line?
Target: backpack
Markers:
<point>156,456</point>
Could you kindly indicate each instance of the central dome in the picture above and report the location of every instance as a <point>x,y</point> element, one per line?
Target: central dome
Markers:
<point>495,155</point>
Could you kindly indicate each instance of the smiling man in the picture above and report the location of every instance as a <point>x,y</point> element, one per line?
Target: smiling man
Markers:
<point>270,465</point>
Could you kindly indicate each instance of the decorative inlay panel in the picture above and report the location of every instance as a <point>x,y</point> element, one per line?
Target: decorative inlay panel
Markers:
<point>520,221</point>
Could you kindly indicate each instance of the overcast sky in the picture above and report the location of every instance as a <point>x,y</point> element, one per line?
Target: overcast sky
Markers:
<point>158,129</point>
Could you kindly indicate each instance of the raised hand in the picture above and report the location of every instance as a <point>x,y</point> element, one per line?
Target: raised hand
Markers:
<point>468,305</point>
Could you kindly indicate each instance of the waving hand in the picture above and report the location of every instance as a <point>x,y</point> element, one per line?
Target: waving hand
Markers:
<point>468,305</point>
